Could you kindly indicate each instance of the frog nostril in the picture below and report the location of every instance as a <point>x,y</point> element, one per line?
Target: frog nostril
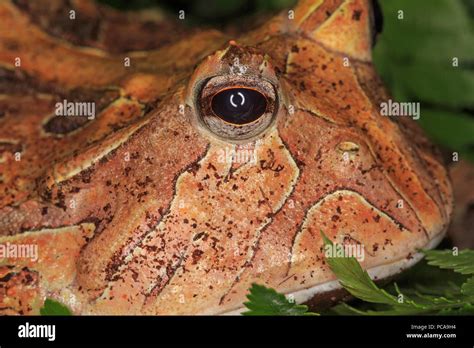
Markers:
<point>9,147</point>
<point>348,150</point>
<point>348,146</point>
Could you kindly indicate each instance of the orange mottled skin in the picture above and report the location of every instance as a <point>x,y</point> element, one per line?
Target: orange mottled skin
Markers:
<point>136,212</point>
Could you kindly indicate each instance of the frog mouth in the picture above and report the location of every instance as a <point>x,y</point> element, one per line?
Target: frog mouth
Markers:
<point>377,273</point>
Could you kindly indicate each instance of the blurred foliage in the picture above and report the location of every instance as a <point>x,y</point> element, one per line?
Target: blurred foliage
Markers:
<point>414,55</point>
<point>420,283</point>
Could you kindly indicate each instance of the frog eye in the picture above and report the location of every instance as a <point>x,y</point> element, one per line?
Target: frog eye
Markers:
<point>236,110</point>
<point>239,106</point>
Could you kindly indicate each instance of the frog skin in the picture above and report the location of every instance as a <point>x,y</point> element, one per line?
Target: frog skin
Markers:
<point>159,205</point>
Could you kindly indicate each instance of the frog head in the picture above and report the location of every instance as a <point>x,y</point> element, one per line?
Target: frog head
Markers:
<point>324,158</point>
<point>220,163</point>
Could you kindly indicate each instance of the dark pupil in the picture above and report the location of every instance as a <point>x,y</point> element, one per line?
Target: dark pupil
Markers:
<point>239,105</point>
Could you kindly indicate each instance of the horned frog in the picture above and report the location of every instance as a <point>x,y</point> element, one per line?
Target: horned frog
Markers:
<point>208,162</point>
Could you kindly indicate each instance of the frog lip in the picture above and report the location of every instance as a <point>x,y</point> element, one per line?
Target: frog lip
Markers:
<point>378,272</point>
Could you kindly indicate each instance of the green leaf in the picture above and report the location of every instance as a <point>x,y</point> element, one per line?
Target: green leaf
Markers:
<point>426,32</point>
<point>446,292</point>
<point>467,309</point>
<point>53,307</point>
<point>266,301</point>
<point>358,282</point>
<point>454,130</point>
<point>462,262</point>
<point>415,55</point>
<point>423,81</point>
<point>430,280</point>
<point>468,288</point>
<point>355,280</point>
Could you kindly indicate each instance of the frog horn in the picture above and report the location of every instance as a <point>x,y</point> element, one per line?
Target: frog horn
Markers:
<point>344,26</point>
